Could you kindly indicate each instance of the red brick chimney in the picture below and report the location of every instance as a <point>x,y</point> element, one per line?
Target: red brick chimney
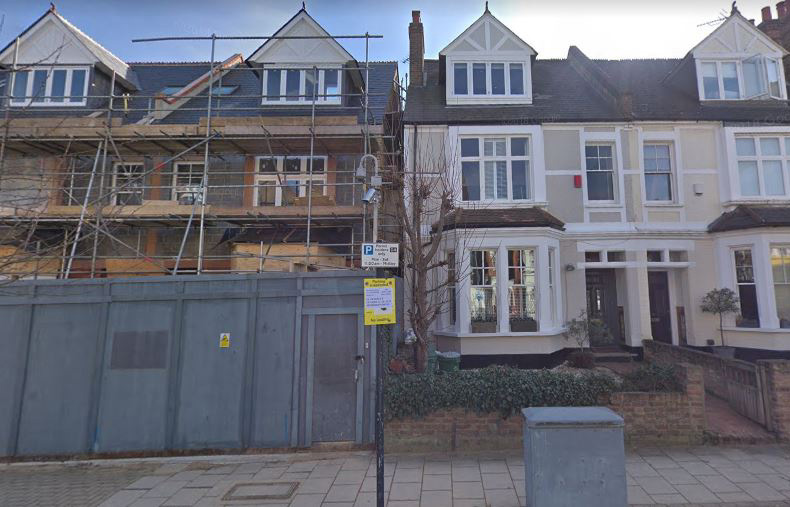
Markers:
<point>781,10</point>
<point>766,12</point>
<point>416,51</point>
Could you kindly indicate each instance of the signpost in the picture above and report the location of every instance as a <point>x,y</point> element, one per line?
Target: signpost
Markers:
<point>379,310</point>
<point>380,255</point>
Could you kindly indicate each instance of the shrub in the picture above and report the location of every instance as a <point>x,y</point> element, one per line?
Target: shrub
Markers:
<point>652,377</point>
<point>579,359</point>
<point>493,389</point>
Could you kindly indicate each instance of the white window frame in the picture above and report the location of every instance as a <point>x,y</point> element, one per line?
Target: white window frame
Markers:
<point>179,190</point>
<point>508,158</point>
<point>488,98</point>
<point>738,61</point>
<point>774,281</point>
<point>280,176</point>
<point>672,170</point>
<point>783,158</point>
<point>131,189</point>
<point>494,288</point>
<point>47,102</point>
<point>302,100</point>
<point>534,286</point>
<point>754,283</point>
<point>615,173</point>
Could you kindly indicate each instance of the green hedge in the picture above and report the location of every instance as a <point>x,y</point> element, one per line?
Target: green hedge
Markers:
<point>652,377</point>
<point>492,389</point>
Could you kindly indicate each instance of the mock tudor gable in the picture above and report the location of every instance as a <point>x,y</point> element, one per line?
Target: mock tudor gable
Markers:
<point>488,64</point>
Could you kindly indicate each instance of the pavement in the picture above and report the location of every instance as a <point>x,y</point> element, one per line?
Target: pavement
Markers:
<point>750,475</point>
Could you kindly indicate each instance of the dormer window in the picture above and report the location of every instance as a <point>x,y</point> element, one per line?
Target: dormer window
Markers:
<point>50,86</point>
<point>751,78</point>
<point>500,79</point>
<point>293,86</point>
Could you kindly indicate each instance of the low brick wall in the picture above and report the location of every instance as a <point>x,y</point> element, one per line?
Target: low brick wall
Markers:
<point>650,419</point>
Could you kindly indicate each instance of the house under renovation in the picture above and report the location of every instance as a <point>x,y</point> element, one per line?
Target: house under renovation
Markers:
<point>235,164</point>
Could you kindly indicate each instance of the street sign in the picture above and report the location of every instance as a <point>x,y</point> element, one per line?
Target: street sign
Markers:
<point>224,340</point>
<point>379,255</point>
<point>379,301</point>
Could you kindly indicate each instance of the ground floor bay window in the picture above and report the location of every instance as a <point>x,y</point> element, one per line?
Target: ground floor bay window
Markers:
<point>506,286</point>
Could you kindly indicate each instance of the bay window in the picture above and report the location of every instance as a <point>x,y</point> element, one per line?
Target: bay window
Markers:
<point>780,266</point>
<point>482,300</point>
<point>299,86</point>
<point>50,86</point>
<point>747,288</point>
<point>599,160</point>
<point>658,172</point>
<point>521,290</point>
<point>495,169</point>
<point>761,165</point>
<point>280,180</point>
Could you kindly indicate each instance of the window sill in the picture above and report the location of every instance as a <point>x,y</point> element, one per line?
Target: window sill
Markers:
<point>658,204</point>
<point>602,204</point>
<point>462,100</point>
<point>769,330</point>
<point>502,204</point>
<point>548,332</point>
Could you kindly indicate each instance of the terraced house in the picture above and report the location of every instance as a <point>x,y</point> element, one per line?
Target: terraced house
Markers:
<point>626,188</point>
<point>112,168</point>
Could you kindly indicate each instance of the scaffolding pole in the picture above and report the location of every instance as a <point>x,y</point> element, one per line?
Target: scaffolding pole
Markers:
<point>101,179</point>
<point>204,180</point>
<point>82,212</point>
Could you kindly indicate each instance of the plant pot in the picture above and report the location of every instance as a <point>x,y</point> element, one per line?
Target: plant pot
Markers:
<point>483,326</point>
<point>397,365</point>
<point>523,325</point>
<point>724,351</point>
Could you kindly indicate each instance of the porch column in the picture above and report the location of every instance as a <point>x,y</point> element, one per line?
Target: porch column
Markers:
<point>638,300</point>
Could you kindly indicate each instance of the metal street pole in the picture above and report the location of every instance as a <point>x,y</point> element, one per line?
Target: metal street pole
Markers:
<point>379,420</point>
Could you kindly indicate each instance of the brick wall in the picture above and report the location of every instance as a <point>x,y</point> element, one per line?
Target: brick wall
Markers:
<point>650,419</point>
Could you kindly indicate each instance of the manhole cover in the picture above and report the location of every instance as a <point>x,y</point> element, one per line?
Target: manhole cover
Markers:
<point>261,491</point>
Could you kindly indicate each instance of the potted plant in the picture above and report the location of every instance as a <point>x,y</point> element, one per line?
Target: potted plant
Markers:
<point>582,330</point>
<point>721,302</point>
<point>484,323</point>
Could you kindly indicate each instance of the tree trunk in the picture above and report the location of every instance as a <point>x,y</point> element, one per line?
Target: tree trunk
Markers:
<point>420,355</point>
<point>721,328</point>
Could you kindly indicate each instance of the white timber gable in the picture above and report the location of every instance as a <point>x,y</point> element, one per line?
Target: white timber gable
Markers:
<point>737,61</point>
<point>488,64</point>
<point>296,70</point>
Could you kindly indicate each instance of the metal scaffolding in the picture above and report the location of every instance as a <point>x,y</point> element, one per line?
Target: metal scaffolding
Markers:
<point>83,196</point>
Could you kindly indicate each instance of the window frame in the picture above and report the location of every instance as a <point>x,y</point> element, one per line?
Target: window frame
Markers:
<point>783,158</point>
<point>125,190</point>
<point>301,100</point>
<point>534,286</point>
<point>489,97</point>
<point>174,195</point>
<point>741,76</point>
<point>280,176</point>
<point>737,284</point>
<point>48,102</point>
<point>673,194</point>
<point>785,262</point>
<point>614,171</point>
<point>493,287</point>
<point>508,158</point>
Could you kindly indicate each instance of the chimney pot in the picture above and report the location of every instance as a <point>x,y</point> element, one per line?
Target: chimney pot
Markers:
<point>766,12</point>
<point>781,10</point>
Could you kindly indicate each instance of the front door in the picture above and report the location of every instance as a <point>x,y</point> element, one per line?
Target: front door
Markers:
<point>660,322</point>
<point>602,300</point>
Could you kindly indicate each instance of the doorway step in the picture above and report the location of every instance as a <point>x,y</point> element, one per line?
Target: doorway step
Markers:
<point>612,354</point>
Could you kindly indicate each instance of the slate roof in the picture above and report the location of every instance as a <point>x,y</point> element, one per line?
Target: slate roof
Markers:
<point>562,94</point>
<point>751,217</point>
<point>485,218</point>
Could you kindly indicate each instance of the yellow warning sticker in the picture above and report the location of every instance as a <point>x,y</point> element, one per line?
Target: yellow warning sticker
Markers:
<point>224,340</point>
<point>379,301</point>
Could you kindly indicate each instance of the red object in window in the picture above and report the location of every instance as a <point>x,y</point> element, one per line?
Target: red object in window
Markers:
<point>577,181</point>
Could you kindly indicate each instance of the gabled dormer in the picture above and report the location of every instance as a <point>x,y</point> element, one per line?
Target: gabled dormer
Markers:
<point>295,69</point>
<point>55,65</point>
<point>739,62</point>
<point>488,64</point>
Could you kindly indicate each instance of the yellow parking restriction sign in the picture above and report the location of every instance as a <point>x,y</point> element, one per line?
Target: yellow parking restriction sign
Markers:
<point>379,301</point>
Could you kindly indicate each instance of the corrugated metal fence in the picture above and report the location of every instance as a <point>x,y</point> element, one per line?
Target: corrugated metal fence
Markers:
<point>138,364</point>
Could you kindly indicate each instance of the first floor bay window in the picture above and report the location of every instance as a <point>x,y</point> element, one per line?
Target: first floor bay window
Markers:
<point>495,169</point>
<point>521,290</point>
<point>780,265</point>
<point>482,300</point>
<point>761,165</point>
<point>747,289</point>
<point>280,180</point>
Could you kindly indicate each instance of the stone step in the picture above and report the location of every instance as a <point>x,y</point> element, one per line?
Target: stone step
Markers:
<point>625,357</point>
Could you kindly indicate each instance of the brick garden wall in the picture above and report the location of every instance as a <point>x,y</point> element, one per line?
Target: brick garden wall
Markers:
<point>650,419</point>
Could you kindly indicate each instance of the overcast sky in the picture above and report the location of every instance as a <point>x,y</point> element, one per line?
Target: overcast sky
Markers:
<point>601,28</point>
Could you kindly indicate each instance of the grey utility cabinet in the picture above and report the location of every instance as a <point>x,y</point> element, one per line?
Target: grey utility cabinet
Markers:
<point>574,456</point>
